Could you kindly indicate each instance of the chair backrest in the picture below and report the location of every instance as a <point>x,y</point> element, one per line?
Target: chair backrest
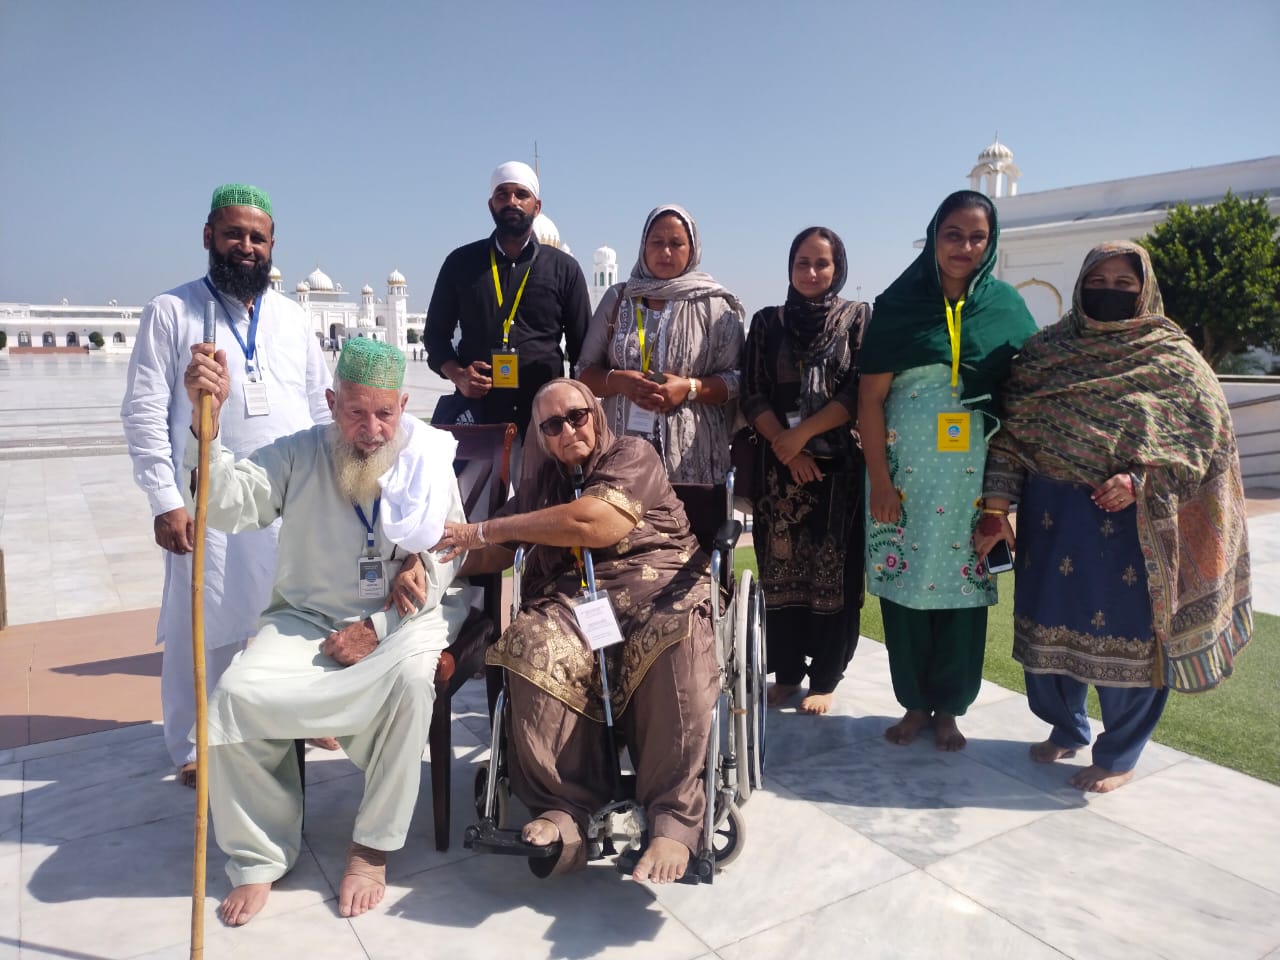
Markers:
<point>704,503</point>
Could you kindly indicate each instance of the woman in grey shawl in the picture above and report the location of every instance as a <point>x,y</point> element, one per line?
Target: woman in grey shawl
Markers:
<point>664,351</point>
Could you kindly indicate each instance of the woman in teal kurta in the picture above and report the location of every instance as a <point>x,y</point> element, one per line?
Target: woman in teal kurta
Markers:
<point>933,360</point>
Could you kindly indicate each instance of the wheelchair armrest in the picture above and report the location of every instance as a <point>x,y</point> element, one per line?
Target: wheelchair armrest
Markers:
<point>727,536</point>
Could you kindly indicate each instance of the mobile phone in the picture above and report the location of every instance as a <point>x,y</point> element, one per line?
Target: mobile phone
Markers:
<point>1000,559</point>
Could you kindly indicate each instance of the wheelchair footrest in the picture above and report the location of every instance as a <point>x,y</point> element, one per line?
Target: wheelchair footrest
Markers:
<point>699,870</point>
<point>486,837</point>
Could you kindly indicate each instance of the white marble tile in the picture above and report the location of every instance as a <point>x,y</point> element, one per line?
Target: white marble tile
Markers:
<point>919,802</point>
<point>913,917</point>
<point>315,932</point>
<point>1094,889</point>
<point>88,895</point>
<point>11,790</point>
<point>101,740</point>
<point>10,896</point>
<point>492,906</point>
<point>1235,827</point>
<point>782,872</point>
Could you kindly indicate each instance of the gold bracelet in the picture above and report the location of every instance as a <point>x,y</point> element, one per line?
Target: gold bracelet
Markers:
<point>480,533</point>
<point>993,512</point>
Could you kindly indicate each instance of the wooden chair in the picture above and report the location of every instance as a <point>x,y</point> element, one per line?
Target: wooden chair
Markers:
<point>484,460</point>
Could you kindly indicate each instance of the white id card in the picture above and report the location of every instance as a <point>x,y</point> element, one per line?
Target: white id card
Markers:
<point>256,403</point>
<point>597,621</point>
<point>371,581</point>
<point>793,419</point>
<point>640,420</point>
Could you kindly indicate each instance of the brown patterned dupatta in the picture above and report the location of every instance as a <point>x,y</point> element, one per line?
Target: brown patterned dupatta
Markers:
<point>1086,400</point>
<point>657,578</point>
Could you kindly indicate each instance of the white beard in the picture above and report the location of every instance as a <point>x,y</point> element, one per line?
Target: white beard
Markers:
<point>357,474</point>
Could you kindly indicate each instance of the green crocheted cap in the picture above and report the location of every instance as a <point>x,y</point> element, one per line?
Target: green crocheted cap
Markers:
<point>371,363</point>
<point>240,195</point>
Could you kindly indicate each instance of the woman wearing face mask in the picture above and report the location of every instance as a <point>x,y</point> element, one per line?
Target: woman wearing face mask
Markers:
<point>664,351</point>
<point>1133,563</point>
<point>800,393</point>
<point>933,359</point>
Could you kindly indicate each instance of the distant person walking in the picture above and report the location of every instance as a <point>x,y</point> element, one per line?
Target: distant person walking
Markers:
<point>278,383</point>
<point>513,299</point>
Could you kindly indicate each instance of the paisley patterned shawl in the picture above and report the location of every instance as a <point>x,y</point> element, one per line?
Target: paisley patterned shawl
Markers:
<point>657,578</point>
<point>1086,400</point>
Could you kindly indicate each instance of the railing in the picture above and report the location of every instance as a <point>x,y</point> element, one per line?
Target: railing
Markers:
<point>1255,412</point>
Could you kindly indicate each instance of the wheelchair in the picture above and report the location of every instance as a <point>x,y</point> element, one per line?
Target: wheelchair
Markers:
<point>735,749</point>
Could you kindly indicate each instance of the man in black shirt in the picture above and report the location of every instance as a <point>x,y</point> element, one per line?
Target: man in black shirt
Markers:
<point>513,298</point>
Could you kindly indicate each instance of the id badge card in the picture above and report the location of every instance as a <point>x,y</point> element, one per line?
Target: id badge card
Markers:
<point>597,621</point>
<point>256,403</point>
<point>640,420</point>
<point>793,419</point>
<point>953,432</point>
<point>506,370</point>
<point>371,583</point>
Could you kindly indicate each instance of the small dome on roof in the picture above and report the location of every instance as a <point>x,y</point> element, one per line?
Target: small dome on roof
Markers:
<point>302,287</point>
<point>275,274</point>
<point>545,230</point>
<point>996,151</point>
<point>367,290</point>
<point>605,257</point>
<point>395,279</point>
<point>319,280</point>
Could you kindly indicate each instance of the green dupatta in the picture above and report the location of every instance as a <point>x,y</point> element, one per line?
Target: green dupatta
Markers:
<point>908,326</point>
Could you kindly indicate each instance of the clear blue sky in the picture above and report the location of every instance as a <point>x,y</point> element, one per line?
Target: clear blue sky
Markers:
<point>374,125</point>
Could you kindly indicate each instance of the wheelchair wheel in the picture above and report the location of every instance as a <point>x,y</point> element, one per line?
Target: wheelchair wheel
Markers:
<point>728,839</point>
<point>740,686</point>
<point>757,685</point>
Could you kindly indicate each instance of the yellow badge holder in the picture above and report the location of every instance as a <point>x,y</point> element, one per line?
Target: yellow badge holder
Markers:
<point>506,362</point>
<point>953,428</point>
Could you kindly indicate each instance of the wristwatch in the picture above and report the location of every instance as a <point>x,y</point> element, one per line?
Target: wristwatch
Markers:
<point>694,385</point>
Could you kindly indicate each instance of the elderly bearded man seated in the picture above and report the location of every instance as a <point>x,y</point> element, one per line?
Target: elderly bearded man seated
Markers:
<point>331,655</point>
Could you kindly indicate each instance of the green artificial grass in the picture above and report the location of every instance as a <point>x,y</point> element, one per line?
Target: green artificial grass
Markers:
<point>1236,725</point>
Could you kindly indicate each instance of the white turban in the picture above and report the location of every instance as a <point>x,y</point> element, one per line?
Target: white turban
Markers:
<point>513,171</point>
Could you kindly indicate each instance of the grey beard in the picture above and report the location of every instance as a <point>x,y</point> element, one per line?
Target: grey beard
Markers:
<point>356,474</point>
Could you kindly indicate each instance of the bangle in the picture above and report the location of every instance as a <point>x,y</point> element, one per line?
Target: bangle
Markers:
<point>994,512</point>
<point>607,374</point>
<point>480,533</point>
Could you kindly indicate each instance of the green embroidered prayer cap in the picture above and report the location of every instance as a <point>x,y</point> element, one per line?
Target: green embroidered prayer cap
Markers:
<point>240,195</point>
<point>371,363</point>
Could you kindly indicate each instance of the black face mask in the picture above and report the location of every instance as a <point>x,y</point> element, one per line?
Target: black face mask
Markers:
<point>1109,306</point>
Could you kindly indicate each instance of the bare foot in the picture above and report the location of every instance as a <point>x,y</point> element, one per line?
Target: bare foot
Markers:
<point>664,861</point>
<point>946,735</point>
<point>242,903</point>
<point>187,775</point>
<point>908,728</point>
<point>1046,751</point>
<point>816,703</point>
<point>364,881</point>
<point>540,832</point>
<point>325,743</point>
<point>779,693</point>
<point>1097,780</point>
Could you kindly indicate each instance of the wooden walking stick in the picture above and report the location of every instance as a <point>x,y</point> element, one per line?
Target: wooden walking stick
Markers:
<point>197,651</point>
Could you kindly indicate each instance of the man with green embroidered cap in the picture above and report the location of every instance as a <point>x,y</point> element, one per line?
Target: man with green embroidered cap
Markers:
<point>332,655</point>
<point>278,381</point>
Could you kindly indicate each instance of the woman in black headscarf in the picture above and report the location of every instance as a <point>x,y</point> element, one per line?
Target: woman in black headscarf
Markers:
<point>800,394</point>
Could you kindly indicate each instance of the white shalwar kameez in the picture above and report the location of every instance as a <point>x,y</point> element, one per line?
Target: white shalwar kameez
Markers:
<point>157,419</point>
<point>282,688</point>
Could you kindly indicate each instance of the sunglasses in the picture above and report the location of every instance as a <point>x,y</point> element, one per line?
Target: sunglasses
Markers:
<point>552,426</point>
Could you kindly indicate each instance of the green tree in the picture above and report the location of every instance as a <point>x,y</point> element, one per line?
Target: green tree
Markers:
<point>4,339</point>
<point>412,335</point>
<point>1219,271</point>
<point>96,339</point>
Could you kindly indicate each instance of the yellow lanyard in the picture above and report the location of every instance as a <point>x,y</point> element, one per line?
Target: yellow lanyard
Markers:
<point>953,328</point>
<point>645,355</point>
<point>515,304</point>
<point>582,564</point>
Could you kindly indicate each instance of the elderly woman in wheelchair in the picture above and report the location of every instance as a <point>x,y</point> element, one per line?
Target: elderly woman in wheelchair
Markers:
<point>582,487</point>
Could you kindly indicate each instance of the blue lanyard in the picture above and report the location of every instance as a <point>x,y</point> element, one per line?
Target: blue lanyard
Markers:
<point>368,527</point>
<point>249,348</point>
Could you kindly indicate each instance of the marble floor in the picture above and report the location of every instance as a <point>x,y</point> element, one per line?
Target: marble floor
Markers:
<point>854,848</point>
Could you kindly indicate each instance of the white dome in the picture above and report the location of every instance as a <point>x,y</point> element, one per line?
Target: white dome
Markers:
<point>605,257</point>
<point>367,290</point>
<point>395,279</point>
<point>545,230</point>
<point>302,287</point>
<point>275,274</point>
<point>319,280</point>
<point>996,151</point>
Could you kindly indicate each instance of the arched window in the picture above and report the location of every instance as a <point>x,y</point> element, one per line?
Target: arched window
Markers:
<point>117,337</point>
<point>24,338</point>
<point>73,339</point>
<point>47,339</point>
